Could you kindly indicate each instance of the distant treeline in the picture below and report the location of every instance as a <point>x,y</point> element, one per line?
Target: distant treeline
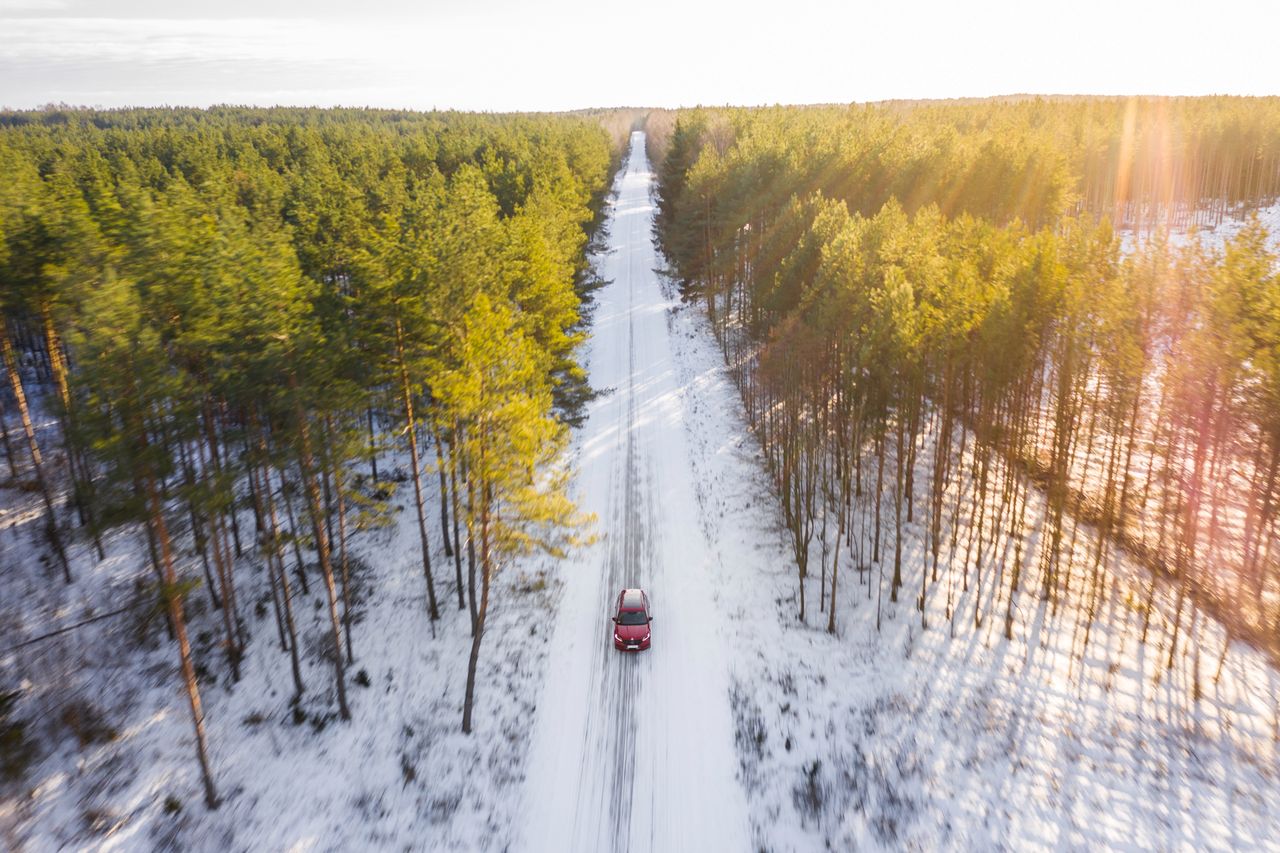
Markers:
<point>235,307</point>
<point>931,321</point>
<point>1137,161</point>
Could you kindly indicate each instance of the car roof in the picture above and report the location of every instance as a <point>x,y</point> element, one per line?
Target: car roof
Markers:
<point>632,599</point>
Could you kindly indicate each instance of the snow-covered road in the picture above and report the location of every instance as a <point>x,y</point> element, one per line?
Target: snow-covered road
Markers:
<point>635,751</point>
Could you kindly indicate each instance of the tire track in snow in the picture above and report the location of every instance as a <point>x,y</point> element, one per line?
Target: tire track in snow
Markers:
<point>609,712</point>
<point>630,564</point>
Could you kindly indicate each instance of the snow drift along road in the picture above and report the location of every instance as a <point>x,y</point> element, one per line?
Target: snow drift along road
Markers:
<point>635,751</point>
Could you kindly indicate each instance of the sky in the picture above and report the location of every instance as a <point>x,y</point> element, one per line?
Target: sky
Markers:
<point>570,54</point>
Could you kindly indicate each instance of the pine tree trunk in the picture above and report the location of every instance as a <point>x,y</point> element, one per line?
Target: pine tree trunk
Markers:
<point>215,465</point>
<point>57,366</point>
<point>897,513</point>
<point>326,488</point>
<point>37,464</point>
<point>835,574</point>
<point>875,550</point>
<point>197,529</point>
<point>373,447</point>
<point>486,562</point>
<point>222,557</point>
<point>312,491</point>
<point>277,552</point>
<point>471,551</point>
<point>221,560</point>
<point>174,606</point>
<point>343,562</point>
<point>457,548</point>
<point>291,517</point>
<point>153,552</point>
<point>8,445</point>
<point>444,498</point>
<point>264,550</point>
<point>411,428</point>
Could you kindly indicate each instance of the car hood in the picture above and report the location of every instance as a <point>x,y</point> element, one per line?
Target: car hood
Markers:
<point>631,632</point>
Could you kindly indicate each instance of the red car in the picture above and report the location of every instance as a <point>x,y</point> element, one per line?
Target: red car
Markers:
<point>631,621</point>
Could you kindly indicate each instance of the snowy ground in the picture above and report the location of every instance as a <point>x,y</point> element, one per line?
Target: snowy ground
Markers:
<point>1211,237</point>
<point>399,776</point>
<point>903,738</point>
<point>953,737</point>
<point>741,729</point>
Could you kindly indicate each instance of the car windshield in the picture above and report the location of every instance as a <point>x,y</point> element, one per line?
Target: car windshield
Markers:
<point>631,617</point>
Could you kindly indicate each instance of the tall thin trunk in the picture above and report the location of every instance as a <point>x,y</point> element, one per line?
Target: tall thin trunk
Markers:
<point>312,490</point>
<point>326,488</point>
<point>835,573</point>
<point>153,552</point>
<point>8,445</point>
<point>897,512</point>
<point>230,616</point>
<point>373,447</point>
<point>223,560</point>
<point>486,562</point>
<point>197,528</point>
<point>216,466</point>
<point>58,368</point>
<point>411,428</point>
<point>471,550</point>
<point>264,550</point>
<point>453,505</point>
<point>287,500</point>
<point>340,489</point>
<point>875,551</point>
<point>173,603</point>
<point>444,496</point>
<point>277,552</point>
<point>37,463</point>
<point>226,579</point>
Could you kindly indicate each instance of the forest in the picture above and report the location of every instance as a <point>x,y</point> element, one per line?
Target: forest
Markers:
<point>228,317</point>
<point>1009,373</point>
<point>936,311</point>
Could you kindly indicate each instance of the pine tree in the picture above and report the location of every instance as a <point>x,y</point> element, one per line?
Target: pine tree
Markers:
<point>500,393</point>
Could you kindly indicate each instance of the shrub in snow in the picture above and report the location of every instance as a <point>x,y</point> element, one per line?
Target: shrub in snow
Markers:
<point>17,751</point>
<point>87,722</point>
